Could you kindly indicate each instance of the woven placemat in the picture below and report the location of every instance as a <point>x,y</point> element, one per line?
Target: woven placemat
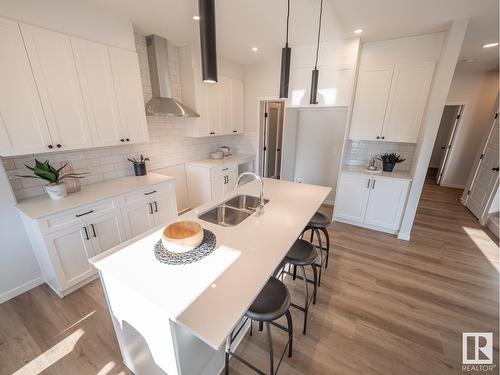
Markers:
<point>205,248</point>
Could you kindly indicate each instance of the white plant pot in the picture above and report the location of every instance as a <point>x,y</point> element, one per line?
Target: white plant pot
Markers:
<point>56,191</point>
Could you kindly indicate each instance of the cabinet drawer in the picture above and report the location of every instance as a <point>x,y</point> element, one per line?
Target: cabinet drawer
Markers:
<point>149,193</point>
<point>62,220</point>
<point>225,169</point>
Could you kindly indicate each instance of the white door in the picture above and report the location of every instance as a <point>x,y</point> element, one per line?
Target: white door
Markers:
<point>128,89</point>
<point>372,94</point>
<point>106,231</point>
<point>237,106</point>
<point>486,175</point>
<point>352,197</point>
<point>138,218</point>
<point>70,250</point>
<point>386,202</point>
<point>53,64</point>
<point>407,101</point>
<point>217,186</point>
<point>23,129</point>
<point>165,208</point>
<point>96,80</point>
<point>455,112</point>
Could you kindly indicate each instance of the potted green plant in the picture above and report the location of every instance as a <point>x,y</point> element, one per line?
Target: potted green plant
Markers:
<point>139,165</point>
<point>389,161</point>
<point>44,171</point>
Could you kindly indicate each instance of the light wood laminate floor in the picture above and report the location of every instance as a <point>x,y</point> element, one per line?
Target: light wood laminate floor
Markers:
<point>385,306</point>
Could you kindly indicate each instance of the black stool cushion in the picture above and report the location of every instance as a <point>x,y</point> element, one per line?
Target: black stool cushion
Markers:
<point>272,302</point>
<point>302,253</point>
<point>319,220</point>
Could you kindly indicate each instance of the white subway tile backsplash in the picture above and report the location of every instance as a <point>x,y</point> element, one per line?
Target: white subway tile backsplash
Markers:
<point>168,145</point>
<point>359,153</point>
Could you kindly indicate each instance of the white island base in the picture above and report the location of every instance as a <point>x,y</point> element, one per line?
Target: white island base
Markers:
<point>175,319</point>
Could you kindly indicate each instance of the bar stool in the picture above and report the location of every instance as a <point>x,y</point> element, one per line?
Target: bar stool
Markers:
<point>271,304</point>
<point>301,254</point>
<point>318,223</point>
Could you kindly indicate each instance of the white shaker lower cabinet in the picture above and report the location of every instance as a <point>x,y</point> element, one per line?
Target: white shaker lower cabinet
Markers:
<point>374,202</point>
<point>205,184</point>
<point>65,241</point>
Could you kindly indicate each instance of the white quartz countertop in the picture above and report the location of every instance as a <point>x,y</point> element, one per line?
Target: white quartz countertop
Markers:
<point>405,175</point>
<point>42,205</point>
<point>211,295</point>
<point>212,163</point>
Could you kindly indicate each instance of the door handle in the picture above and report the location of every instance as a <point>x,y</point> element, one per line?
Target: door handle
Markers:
<point>156,206</point>
<point>373,185</point>
<point>495,169</point>
<point>93,230</point>
<point>150,208</point>
<point>86,233</point>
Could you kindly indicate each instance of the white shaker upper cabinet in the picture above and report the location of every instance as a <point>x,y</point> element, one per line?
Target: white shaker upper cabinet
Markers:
<point>53,65</point>
<point>23,128</point>
<point>407,101</point>
<point>128,88</point>
<point>96,79</point>
<point>372,94</point>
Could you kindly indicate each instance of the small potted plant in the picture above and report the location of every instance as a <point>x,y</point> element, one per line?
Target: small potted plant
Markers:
<point>139,165</point>
<point>389,161</point>
<point>55,188</point>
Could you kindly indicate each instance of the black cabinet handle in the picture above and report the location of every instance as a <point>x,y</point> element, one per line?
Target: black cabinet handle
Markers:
<point>378,137</point>
<point>235,131</point>
<point>368,186</point>
<point>127,139</point>
<point>495,169</point>
<point>151,192</point>
<point>93,230</point>
<point>150,208</point>
<point>86,233</point>
<point>122,140</point>
<point>373,185</point>
<point>85,213</point>
<point>58,145</point>
<point>225,169</point>
<point>156,206</point>
<point>383,137</point>
<point>50,147</point>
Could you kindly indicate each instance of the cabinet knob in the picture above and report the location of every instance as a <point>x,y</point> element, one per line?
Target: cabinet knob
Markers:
<point>58,145</point>
<point>378,137</point>
<point>235,131</point>
<point>383,137</point>
<point>50,147</point>
<point>495,169</point>
<point>127,139</point>
<point>122,140</point>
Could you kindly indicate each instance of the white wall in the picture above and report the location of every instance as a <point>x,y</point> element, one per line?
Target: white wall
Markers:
<point>319,142</point>
<point>478,91</point>
<point>74,17</point>
<point>19,269</point>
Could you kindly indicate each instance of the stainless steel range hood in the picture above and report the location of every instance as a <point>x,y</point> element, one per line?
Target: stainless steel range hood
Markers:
<point>162,103</point>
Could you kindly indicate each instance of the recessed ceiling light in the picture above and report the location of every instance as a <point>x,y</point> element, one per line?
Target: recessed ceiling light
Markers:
<point>489,45</point>
<point>196,18</point>
<point>358,31</point>
<point>255,49</point>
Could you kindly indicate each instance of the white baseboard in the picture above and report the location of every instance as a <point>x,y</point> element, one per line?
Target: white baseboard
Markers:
<point>404,236</point>
<point>453,186</point>
<point>20,289</point>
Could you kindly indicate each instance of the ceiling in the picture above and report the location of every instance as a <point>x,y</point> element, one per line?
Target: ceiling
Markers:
<point>243,24</point>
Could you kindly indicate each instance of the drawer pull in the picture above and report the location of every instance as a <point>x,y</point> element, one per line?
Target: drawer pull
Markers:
<point>86,233</point>
<point>225,169</point>
<point>93,230</point>
<point>150,208</point>
<point>85,213</point>
<point>151,192</point>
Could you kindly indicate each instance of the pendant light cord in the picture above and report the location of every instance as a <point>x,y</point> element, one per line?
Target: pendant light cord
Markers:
<point>319,32</point>
<point>287,21</point>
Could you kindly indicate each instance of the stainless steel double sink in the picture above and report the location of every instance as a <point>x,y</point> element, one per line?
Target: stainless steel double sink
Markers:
<point>233,211</point>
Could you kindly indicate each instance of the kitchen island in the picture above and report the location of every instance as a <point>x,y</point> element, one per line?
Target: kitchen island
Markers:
<point>175,319</point>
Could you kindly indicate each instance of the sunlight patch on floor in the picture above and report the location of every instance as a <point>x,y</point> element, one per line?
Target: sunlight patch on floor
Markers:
<point>485,244</point>
<point>75,323</point>
<point>51,356</point>
<point>107,368</point>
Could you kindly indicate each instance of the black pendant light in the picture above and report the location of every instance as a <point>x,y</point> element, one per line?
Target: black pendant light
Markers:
<point>206,12</point>
<point>286,53</point>
<point>315,73</point>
